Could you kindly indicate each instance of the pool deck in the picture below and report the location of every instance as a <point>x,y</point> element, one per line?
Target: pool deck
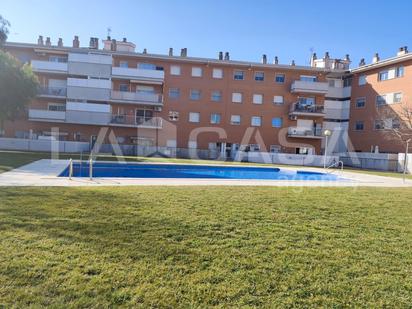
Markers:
<point>44,173</point>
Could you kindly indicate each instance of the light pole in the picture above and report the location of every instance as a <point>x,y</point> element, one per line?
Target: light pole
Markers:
<point>326,133</point>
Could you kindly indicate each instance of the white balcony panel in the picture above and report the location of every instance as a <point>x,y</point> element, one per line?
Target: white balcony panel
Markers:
<point>88,107</point>
<point>90,58</point>
<point>136,97</point>
<point>44,114</point>
<point>88,118</point>
<point>49,66</point>
<point>138,74</point>
<point>89,83</point>
<point>299,86</point>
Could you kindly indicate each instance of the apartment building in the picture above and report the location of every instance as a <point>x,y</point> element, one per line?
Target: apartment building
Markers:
<point>179,101</point>
<point>380,90</point>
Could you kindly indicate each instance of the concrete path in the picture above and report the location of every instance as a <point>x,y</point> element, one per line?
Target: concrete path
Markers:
<point>44,173</point>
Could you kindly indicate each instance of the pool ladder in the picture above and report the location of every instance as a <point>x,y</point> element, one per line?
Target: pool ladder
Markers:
<point>90,168</point>
<point>335,164</point>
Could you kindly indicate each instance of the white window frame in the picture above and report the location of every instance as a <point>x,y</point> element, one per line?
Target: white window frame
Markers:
<point>197,72</point>
<point>253,121</point>
<point>235,123</point>
<point>278,99</point>
<point>175,70</point>
<point>257,98</point>
<point>362,80</point>
<point>358,100</point>
<point>215,118</point>
<point>194,117</point>
<point>237,97</point>
<point>217,73</point>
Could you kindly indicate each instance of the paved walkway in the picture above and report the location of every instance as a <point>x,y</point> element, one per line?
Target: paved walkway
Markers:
<point>44,173</point>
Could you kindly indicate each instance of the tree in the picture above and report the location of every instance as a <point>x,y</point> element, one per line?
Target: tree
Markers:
<point>4,30</point>
<point>18,86</point>
<point>397,122</point>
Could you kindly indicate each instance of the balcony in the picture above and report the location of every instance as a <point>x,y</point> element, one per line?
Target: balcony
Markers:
<point>298,109</point>
<point>90,58</point>
<point>89,89</point>
<point>139,122</point>
<point>46,115</point>
<point>140,75</point>
<point>137,98</point>
<point>90,65</point>
<point>55,92</point>
<point>302,132</point>
<point>49,66</point>
<point>300,86</point>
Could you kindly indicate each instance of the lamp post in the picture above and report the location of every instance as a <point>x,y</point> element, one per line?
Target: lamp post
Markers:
<point>326,133</point>
<point>405,162</point>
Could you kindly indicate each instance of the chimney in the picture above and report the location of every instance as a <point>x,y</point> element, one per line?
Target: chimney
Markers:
<point>60,42</point>
<point>264,59</point>
<point>48,42</point>
<point>40,40</point>
<point>145,51</point>
<point>347,57</point>
<point>293,63</point>
<point>227,56</point>
<point>124,40</point>
<point>76,42</point>
<point>276,61</point>
<point>113,45</point>
<point>109,38</point>
<point>312,59</point>
<point>362,62</point>
<point>402,51</point>
<point>94,43</point>
<point>170,51</point>
<point>220,55</point>
<point>183,52</point>
<point>375,58</point>
<point>327,55</point>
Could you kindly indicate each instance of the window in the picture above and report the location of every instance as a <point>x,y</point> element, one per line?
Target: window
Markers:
<point>362,80</point>
<point>57,107</point>
<point>194,117</point>
<point>259,76</point>
<point>397,97</point>
<point>239,75</point>
<point>384,75</point>
<point>235,119</point>
<point>257,98</point>
<point>280,78</point>
<point>215,118</point>
<point>381,100</point>
<point>57,59</point>
<point>216,96</point>
<point>123,64</point>
<point>347,82</point>
<point>124,87</point>
<point>174,93</point>
<point>306,78</point>
<point>277,122</point>
<point>146,66</point>
<point>256,121</point>
<point>217,73</point>
<point>399,71</point>
<point>143,115</point>
<point>195,94</point>
<point>360,102</point>
<point>278,99</point>
<point>236,97</point>
<point>396,123</point>
<point>197,72</point>
<point>306,101</point>
<point>174,70</point>
<point>379,125</point>
<point>359,126</point>
<point>173,116</point>
<point>145,89</point>
<point>275,148</point>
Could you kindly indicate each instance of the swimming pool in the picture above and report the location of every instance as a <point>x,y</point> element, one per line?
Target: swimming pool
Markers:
<point>123,170</point>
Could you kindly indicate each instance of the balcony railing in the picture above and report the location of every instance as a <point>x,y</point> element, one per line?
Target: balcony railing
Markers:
<point>304,132</point>
<point>46,115</point>
<point>155,76</point>
<point>309,87</point>
<point>49,66</point>
<point>52,91</point>
<point>298,108</point>
<point>136,97</point>
<point>137,121</point>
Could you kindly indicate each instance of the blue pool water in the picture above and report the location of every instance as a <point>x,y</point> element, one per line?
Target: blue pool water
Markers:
<point>120,170</point>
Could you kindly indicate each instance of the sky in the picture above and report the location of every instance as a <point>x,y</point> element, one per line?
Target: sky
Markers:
<point>247,29</point>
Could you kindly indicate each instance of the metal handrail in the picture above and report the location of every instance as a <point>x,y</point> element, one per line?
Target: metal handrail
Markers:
<point>336,164</point>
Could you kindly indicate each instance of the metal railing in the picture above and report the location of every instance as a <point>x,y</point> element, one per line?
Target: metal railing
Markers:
<point>139,121</point>
<point>52,91</point>
<point>136,96</point>
<point>302,132</point>
<point>303,108</point>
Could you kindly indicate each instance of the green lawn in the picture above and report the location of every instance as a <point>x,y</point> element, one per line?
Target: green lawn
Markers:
<point>205,246</point>
<point>13,159</point>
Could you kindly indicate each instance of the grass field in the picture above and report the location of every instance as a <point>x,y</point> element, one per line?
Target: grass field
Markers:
<point>10,160</point>
<point>205,246</point>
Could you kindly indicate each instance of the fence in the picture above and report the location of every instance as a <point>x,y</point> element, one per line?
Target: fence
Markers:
<point>376,161</point>
<point>290,159</point>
